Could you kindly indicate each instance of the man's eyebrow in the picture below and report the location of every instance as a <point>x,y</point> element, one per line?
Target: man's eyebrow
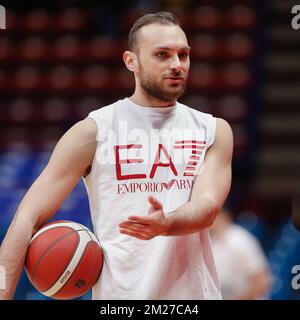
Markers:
<point>169,48</point>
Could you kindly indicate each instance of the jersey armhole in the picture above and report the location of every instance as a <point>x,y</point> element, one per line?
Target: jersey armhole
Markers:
<point>212,135</point>
<point>98,124</point>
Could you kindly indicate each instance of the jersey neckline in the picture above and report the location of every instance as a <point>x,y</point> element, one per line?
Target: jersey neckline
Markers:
<point>152,110</point>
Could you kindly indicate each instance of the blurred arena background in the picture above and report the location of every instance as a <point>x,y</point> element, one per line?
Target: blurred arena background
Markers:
<point>60,59</point>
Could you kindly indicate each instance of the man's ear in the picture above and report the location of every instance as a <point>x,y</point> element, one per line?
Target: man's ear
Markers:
<point>130,60</point>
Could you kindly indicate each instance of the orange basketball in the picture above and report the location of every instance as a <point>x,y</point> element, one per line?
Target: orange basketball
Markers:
<point>64,260</point>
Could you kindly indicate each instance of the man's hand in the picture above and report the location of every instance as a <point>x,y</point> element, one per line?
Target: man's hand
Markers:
<point>146,227</point>
<point>210,189</point>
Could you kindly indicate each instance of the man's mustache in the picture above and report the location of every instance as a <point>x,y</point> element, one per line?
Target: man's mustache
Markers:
<point>177,75</point>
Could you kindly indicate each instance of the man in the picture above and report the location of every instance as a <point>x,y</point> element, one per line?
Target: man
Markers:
<point>142,159</point>
<point>242,267</point>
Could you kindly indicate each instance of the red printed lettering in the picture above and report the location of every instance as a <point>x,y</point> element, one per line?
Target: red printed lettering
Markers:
<point>157,162</point>
<point>127,161</point>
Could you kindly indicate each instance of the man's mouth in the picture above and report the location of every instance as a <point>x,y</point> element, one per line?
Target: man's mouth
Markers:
<point>176,79</point>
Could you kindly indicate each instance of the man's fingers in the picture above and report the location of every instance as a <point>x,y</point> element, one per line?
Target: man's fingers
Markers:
<point>132,225</point>
<point>139,219</point>
<point>135,234</point>
<point>154,203</point>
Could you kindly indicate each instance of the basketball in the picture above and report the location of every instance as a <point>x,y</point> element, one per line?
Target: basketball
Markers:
<point>64,260</point>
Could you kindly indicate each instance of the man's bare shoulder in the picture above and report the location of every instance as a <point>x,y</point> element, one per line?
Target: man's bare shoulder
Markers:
<point>80,139</point>
<point>84,129</point>
<point>223,142</point>
<point>223,126</point>
<point>223,131</point>
<point>75,149</point>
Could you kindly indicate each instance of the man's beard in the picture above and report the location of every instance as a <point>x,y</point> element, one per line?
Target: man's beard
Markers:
<point>159,90</point>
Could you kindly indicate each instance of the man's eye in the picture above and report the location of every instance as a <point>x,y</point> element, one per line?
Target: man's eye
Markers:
<point>161,54</point>
<point>183,55</point>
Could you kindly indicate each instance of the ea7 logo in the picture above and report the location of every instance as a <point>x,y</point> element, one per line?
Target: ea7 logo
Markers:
<point>296,19</point>
<point>2,277</point>
<point>296,278</point>
<point>2,17</point>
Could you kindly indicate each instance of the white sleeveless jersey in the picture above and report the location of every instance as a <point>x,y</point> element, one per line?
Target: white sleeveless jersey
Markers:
<point>144,151</point>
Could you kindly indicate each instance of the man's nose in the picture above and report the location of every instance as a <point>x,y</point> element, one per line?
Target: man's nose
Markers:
<point>175,64</point>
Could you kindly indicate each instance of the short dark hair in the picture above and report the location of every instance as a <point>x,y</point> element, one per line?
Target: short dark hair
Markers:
<point>162,17</point>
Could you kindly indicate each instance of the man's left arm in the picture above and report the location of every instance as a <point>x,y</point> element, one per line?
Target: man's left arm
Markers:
<point>209,192</point>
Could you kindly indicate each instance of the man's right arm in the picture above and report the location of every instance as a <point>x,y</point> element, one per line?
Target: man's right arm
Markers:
<point>73,154</point>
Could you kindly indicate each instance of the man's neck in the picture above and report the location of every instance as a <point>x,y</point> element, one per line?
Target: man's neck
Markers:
<point>147,101</point>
